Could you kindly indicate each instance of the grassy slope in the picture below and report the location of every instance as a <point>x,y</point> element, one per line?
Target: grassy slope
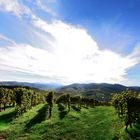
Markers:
<point>99,123</point>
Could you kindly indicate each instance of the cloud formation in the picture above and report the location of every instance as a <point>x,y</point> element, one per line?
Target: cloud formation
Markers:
<point>74,55</point>
<point>14,7</point>
<point>17,8</point>
<point>44,6</point>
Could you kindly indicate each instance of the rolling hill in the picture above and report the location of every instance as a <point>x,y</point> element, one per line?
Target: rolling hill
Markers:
<point>101,91</point>
<point>44,86</point>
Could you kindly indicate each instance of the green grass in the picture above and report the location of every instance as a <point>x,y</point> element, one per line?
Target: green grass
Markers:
<point>132,133</point>
<point>6,117</point>
<point>99,123</point>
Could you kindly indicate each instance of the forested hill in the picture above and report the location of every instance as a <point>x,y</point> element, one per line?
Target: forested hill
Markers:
<point>100,91</point>
<point>44,86</point>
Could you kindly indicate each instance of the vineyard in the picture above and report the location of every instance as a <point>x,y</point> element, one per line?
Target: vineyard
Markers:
<point>29,114</point>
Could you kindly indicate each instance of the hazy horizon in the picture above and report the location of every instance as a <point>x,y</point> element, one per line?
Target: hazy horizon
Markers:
<point>63,84</point>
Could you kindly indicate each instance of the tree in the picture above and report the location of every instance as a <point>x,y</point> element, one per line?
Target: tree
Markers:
<point>68,101</point>
<point>127,106</point>
<point>1,97</point>
<point>49,100</point>
<point>64,99</point>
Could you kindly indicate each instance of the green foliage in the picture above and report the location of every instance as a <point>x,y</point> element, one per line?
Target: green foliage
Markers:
<point>49,100</point>
<point>127,106</point>
<point>25,99</point>
<point>6,98</point>
<point>65,99</point>
<point>69,119</point>
<point>21,98</point>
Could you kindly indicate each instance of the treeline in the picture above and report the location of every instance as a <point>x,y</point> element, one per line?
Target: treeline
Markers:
<point>21,98</point>
<point>127,105</point>
<point>65,101</point>
<point>78,101</point>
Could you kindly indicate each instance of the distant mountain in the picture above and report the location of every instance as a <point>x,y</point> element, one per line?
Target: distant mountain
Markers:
<point>101,91</point>
<point>44,86</point>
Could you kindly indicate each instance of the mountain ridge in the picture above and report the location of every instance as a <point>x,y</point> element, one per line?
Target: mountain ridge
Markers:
<point>43,86</point>
<point>101,91</point>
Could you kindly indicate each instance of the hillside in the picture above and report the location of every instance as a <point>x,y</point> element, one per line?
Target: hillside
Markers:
<point>99,123</point>
<point>43,86</point>
<point>101,91</point>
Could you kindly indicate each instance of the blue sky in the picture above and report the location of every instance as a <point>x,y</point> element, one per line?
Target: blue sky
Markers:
<point>70,41</point>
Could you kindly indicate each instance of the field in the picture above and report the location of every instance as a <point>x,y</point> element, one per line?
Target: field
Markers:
<point>99,123</point>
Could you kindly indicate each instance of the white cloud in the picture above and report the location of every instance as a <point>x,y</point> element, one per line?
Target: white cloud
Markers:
<point>136,52</point>
<point>4,38</point>
<point>44,6</point>
<point>76,57</point>
<point>19,9</point>
<point>14,7</point>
